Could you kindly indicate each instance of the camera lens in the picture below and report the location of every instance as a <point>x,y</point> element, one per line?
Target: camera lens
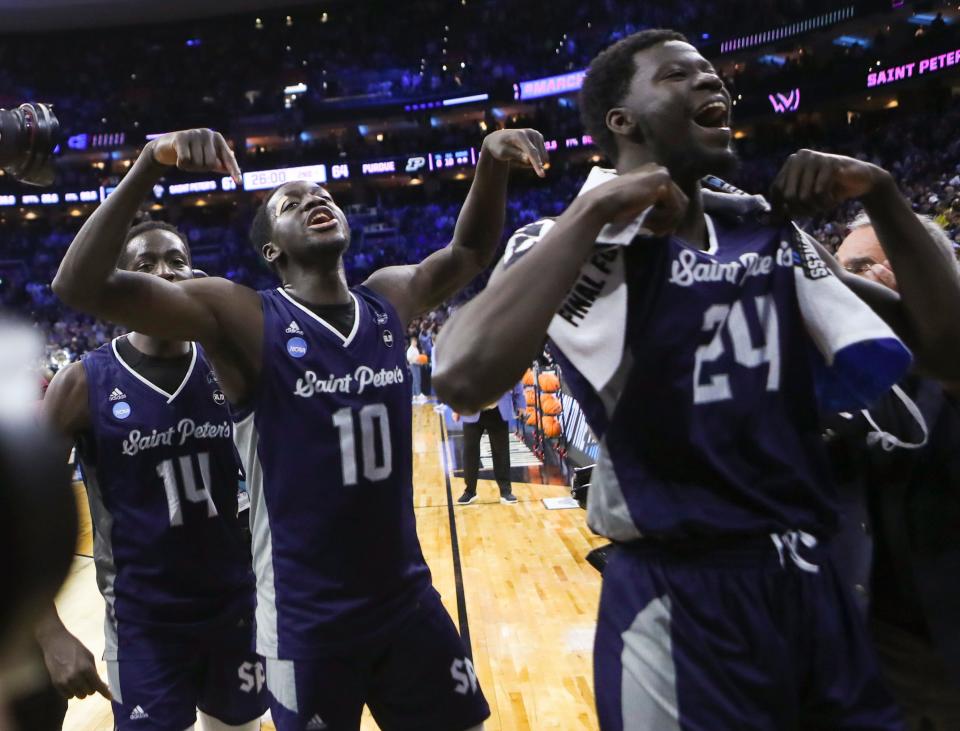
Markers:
<point>28,135</point>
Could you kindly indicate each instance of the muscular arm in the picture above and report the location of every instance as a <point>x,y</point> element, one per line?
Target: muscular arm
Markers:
<point>927,280</point>
<point>923,314</point>
<point>221,315</point>
<point>72,666</point>
<point>421,287</point>
<point>487,344</point>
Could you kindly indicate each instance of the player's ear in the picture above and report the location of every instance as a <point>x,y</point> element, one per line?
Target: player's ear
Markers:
<point>621,121</point>
<point>270,252</point>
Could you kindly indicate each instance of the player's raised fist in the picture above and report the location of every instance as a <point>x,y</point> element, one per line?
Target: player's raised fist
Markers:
<point>524,146</point>
<point>813,182</point>
<point>196,150</point>
<point>627,196</point>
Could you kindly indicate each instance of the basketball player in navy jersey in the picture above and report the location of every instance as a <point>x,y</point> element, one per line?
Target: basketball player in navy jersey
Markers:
<point>720,609</point>
<point>316,373</point>
<point>155,444</point>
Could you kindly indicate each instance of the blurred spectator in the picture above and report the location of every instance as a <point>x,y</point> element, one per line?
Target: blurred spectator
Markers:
<point>494,421</point>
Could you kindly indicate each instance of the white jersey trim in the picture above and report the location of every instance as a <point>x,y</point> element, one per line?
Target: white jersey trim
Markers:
<point>247,439</point>
<point>356,317</point>
<point>169,396</point>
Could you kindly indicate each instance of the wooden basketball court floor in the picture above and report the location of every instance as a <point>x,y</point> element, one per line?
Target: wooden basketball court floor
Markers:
<point>529,599</point>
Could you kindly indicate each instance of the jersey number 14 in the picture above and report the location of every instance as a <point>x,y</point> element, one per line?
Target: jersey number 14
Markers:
<point>196,491</point>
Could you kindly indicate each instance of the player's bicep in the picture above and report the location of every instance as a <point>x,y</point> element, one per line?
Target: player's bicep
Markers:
<point>417,288</point>
<point>172,310</point>
<point>396,285</point>
<point>64,407</point>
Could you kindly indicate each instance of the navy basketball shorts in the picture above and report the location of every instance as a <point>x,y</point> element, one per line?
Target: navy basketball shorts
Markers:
<point>760,636</point>
<point>220,674</point>
<point>419,678</point>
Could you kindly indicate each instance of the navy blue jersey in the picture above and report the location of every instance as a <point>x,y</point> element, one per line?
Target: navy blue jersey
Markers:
<point>161,473</point>
<point>326,444</point>
<point>710,425</point>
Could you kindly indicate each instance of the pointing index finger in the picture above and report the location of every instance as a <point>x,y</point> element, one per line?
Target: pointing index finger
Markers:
<point>229,160</point>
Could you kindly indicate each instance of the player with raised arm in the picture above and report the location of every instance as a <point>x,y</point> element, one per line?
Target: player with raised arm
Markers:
<point>316,373</point>
<point>154,441</point>
<point>683,340</point>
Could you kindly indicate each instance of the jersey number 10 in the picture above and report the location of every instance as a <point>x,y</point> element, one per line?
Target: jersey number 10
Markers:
<point>745,353</point>
<point>374,418</point>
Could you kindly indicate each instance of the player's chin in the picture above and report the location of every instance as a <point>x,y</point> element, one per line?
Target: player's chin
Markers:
<point>328,241</point>
<point>719,160</point>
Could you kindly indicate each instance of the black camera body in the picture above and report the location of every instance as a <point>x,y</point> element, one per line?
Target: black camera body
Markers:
<point>28,136</point>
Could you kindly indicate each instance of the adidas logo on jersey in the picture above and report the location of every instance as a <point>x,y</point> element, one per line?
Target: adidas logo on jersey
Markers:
<point>138,713</point>
<point>117,395</point>
<point>316,723</point>
<point>293,329</point>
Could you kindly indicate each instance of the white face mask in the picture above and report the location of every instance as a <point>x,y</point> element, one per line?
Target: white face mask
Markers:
<point>888,442</point>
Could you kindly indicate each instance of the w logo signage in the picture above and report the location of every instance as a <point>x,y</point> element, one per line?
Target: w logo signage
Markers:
<point>783,104</point>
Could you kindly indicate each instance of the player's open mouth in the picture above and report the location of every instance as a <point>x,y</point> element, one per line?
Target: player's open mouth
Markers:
<point>321,219</point>
<point>713,115</point>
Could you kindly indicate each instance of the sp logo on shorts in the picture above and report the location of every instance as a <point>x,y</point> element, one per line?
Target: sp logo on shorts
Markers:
<point>252,677</point>
<point>218,398</point>
<point>463,673</point>
<point>121,410</point>
<point>297,347</point>
<point>388,338</point>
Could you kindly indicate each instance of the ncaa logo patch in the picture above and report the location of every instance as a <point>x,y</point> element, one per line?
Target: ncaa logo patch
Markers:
<point>382,318</point>
<point>297,347</point>
<point>388,338</point>
<point>121,410</point>
<point>218,398</point>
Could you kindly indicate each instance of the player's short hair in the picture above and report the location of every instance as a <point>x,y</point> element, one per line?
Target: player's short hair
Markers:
<point>608,79</point>
<point>261,229</point>
<point>862,220</point>
<point>146,226</point>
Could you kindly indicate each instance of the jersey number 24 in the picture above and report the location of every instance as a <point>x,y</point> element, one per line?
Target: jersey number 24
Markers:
<point>733,318</point>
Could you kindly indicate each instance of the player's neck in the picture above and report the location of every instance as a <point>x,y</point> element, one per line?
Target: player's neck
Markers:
<point>157,348</point>
<point>318,286</point>
<point>693,226</point>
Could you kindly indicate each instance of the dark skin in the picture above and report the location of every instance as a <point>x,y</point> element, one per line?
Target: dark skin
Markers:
<point>671,129</point>
<point>158,253</point>
<point>225,317</point>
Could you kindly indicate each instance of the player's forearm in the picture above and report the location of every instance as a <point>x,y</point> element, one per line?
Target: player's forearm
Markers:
<point>50,626</point>
<point>480,223</point>
<point>84,274</point>
<point>926,278</point>
<point>485,347</point>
